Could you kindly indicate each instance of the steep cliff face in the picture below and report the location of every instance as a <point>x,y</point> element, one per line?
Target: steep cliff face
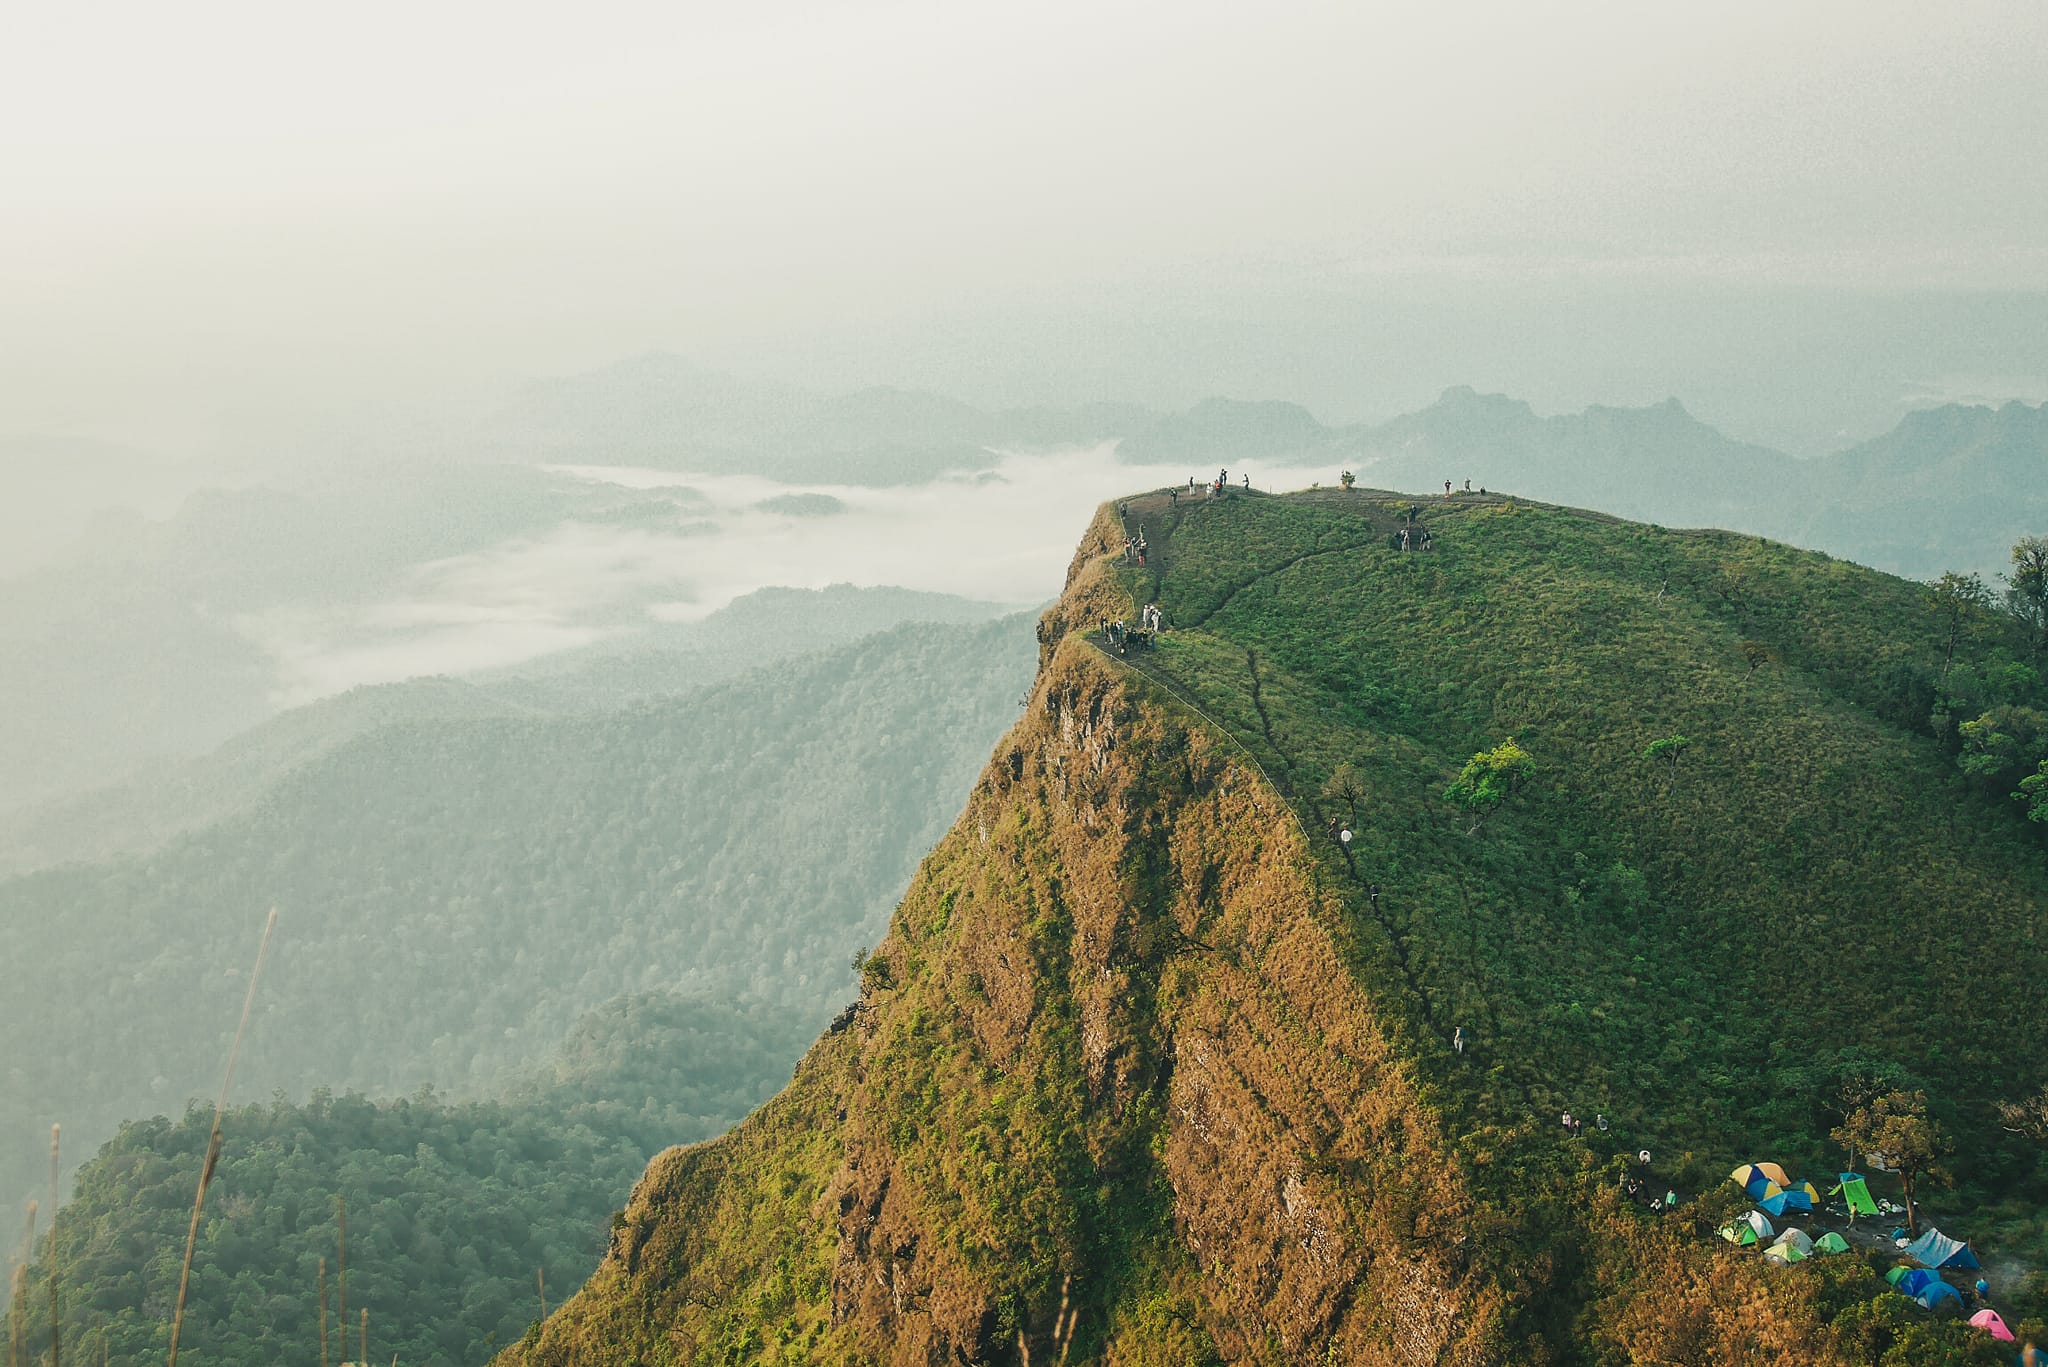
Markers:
<point>1146,1071</point>
<point>1104,1056</point>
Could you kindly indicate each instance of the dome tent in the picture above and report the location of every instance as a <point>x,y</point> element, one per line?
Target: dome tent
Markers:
<point>1797,1238</point>
<point>1759,1179</point>
<point>1911,1281</point>
<point>1987,1319</point>
<point>1777,1200</point>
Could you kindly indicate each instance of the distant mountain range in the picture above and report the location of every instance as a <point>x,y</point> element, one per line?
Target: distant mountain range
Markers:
<point>663,411</point>
<point>1948,488</point>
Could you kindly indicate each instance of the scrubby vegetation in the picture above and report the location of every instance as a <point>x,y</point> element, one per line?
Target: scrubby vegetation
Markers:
<point>1140,1025</point>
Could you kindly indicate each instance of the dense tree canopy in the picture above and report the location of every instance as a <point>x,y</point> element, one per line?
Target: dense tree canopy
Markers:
<point>454,1209</point>
<point>454,895</point>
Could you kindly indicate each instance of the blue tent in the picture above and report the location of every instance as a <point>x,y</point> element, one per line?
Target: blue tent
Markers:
<point>1935,1292</point>
<point>1914,1281</point>
<point>1791,1198</point>
<point>1935,1249</point>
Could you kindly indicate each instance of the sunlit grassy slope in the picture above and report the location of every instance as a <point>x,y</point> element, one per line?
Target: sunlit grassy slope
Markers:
<point>1689,946</point>
<point>1140,1035</point>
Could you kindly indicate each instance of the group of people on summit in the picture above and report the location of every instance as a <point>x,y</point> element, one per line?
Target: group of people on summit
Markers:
<point>1121,636</point>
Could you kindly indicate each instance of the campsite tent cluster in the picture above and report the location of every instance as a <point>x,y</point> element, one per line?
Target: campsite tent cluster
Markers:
<point>1776,1195</point>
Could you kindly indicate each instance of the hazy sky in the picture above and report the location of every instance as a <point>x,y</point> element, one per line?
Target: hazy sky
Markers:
<point>224,209</point>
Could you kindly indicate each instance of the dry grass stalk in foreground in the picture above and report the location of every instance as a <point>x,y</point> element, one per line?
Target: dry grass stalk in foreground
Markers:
<point>17,1297</point>
<point>56,1311</point>
<point>341,1276</point>
<point>213,1140</point>
<point>18,1292</point>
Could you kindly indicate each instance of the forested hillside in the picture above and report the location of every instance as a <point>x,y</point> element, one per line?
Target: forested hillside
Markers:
<point>162,801</point>
<point>1704,836</point>
<point>454,896</point>
<point>460,1214</point>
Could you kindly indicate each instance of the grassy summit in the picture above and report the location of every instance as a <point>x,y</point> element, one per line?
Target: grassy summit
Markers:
<point>1143,1073</point>
<point>1690,943</point>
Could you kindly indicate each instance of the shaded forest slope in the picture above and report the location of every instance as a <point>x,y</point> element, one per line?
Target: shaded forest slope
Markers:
<point>455,894</point>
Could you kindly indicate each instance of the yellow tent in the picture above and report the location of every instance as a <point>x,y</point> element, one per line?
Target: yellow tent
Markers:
<point>1770,1172</point>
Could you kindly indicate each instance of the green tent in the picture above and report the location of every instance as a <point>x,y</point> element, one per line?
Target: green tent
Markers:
<point>1896,1273</point>
<point>1856,1194</point>
<point>1831,1242</point>
<point>1739,1234</point>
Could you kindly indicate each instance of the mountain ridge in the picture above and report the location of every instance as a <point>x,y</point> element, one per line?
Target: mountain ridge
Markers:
<point>1142,1054</point>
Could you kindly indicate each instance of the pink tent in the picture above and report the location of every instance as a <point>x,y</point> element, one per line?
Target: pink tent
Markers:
<point>1988,1321</point>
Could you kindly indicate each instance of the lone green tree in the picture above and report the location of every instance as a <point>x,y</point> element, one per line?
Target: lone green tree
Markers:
<point>2002,743</point>
<point>2033,792</point>
<point>1489,779</point>
<point>2026,588</point>
<point>1956,600</point>
<point>1895,1126</point>
<point>1347,787</point>
<point>1669,750</point>
<point>1347,479</point>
